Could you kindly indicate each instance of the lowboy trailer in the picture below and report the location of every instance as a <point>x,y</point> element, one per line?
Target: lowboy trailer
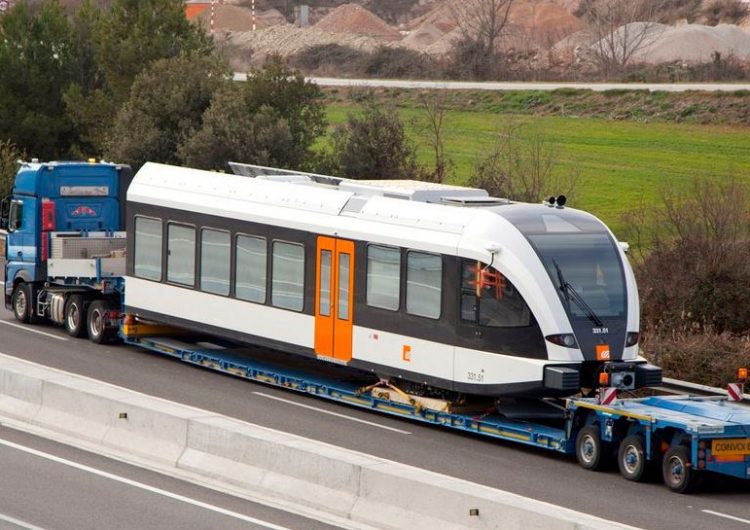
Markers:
<point>684,436</point>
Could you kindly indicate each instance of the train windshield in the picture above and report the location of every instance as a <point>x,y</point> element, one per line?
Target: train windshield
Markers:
<point>587,271</point>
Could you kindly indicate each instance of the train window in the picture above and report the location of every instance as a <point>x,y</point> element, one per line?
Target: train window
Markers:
<point>215,256</point>
<point>383,277</point>
<point>424,277</point>
<point>489,299</point>
<point>181,254</point>
<point>250,278</point>
<point>325,283</point>
<point>288,276</point>
<point>147,260</point>
<point>343,296</point>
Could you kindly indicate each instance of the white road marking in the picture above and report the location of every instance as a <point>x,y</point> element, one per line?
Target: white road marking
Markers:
<point>330,413</point>
<point>19,523</point>
<point>32,330</point>
<point>143,486</point>
<point>727,516</point>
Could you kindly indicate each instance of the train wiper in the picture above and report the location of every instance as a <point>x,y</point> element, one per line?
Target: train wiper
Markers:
<point>571,293</point>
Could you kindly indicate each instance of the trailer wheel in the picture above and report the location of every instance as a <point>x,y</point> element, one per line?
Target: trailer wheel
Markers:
<point>22,302</point>
<point>677,470</point>
<point>631,458</point>
<point>97,322</point>
<point>75,316</point>
<point>589,448</point>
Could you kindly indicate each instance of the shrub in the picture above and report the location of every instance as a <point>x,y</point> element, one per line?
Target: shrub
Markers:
<point>709,358</point>
<point>343,58</point>
<point>390,62</point>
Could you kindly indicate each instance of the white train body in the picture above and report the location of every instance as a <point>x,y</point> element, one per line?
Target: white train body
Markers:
<point>437,285</point>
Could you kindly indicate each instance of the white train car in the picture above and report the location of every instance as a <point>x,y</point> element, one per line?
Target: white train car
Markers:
<point>438,286</point>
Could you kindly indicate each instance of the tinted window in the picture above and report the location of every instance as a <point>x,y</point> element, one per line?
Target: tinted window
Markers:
<point>181,254</point>
<point>288,284</point>
<point>215,261</point>
<point>590,265</point>
<point>489,299</point>
<point>147,260</point>
<point>383,276</point>
<point>250,277</point>
<point>424,276</point>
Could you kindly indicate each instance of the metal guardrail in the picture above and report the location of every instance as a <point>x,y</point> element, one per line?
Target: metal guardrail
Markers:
<point>695,388</point>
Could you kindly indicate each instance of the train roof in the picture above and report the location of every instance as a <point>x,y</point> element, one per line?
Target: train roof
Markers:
<point>440,208</point>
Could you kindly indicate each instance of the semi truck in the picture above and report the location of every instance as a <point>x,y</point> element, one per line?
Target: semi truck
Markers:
<point>66,248</point>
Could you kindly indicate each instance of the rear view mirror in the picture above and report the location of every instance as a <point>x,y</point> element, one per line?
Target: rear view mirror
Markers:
<point>4,212</point>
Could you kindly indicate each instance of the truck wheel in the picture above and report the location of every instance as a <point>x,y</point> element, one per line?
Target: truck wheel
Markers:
<point>677,470</point>
<point>590,449</point>
<point>97,322</point>
<point>631,458</point>
<point>75,316</point>
<point>22,303</point>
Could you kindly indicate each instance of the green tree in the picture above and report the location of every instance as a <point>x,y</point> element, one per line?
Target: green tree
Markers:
<point>166,106</point>
<point>291,97</point>
<point>373,145</point>
<point>115,46</point>
<point>272,119</point>
<point>230,132</point>
<point>35,65</point>
<point>9,155</point>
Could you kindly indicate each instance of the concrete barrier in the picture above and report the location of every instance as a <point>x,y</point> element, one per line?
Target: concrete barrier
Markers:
<point>259,463</point>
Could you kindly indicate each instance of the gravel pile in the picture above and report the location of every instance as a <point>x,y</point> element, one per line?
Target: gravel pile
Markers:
<point>286,40</point>
<point>355,19</point>
<point>693,43</point>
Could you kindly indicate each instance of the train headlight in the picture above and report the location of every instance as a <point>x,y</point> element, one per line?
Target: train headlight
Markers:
<point>567,340</point>
<point>632,338</point>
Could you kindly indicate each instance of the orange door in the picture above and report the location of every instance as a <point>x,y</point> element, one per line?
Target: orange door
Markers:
<point>334,298</point>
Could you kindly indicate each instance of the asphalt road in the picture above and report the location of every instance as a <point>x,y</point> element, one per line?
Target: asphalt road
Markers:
<point>49,486</point>
<point>532,473</point>
<point>501,86</point>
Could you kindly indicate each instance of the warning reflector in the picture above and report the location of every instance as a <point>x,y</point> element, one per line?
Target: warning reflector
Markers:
<point>735,391</point>
<point>607,396</point>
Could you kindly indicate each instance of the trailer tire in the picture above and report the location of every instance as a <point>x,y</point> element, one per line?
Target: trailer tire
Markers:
<point>677,470</point>
<point>631,458</point>
<point>21,302</point>
<point>75,316</point>
<point>590,448</point>
<point>99,333</point>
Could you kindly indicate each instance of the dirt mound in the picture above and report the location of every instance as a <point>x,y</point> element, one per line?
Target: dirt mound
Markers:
<point>544,17</point>
<point>355,19</point>
<point>425,35</point>
<point>286,40</point>
<point>690,42</point>
<point>234,18</point>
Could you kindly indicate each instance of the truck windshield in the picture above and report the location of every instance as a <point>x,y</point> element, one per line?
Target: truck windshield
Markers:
<point>590,265</point>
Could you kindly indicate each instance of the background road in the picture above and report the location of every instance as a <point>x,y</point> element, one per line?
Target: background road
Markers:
<point>498,86</point>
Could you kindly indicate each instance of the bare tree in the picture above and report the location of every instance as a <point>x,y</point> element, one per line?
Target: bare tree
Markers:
<point>431,127</point>
<point>621,29</point>
<point>482,24</point>
<point>522,166</point>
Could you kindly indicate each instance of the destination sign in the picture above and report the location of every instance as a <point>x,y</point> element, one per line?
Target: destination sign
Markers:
<point>735,446</point>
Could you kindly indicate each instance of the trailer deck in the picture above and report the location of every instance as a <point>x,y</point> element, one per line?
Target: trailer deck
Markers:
<point>685,433</point>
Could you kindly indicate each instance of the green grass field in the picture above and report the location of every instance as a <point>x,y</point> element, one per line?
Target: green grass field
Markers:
<point>621,163</point>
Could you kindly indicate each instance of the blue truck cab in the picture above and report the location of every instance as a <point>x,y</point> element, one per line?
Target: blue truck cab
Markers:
<point>51,204</point>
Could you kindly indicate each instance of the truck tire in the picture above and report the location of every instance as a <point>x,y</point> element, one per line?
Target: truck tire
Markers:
<point>631,458</point>
<point>590,450</point>
<point>677,470</point>
<point>22,302</point>
<point>99,333</point>
<point>75,316</point>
